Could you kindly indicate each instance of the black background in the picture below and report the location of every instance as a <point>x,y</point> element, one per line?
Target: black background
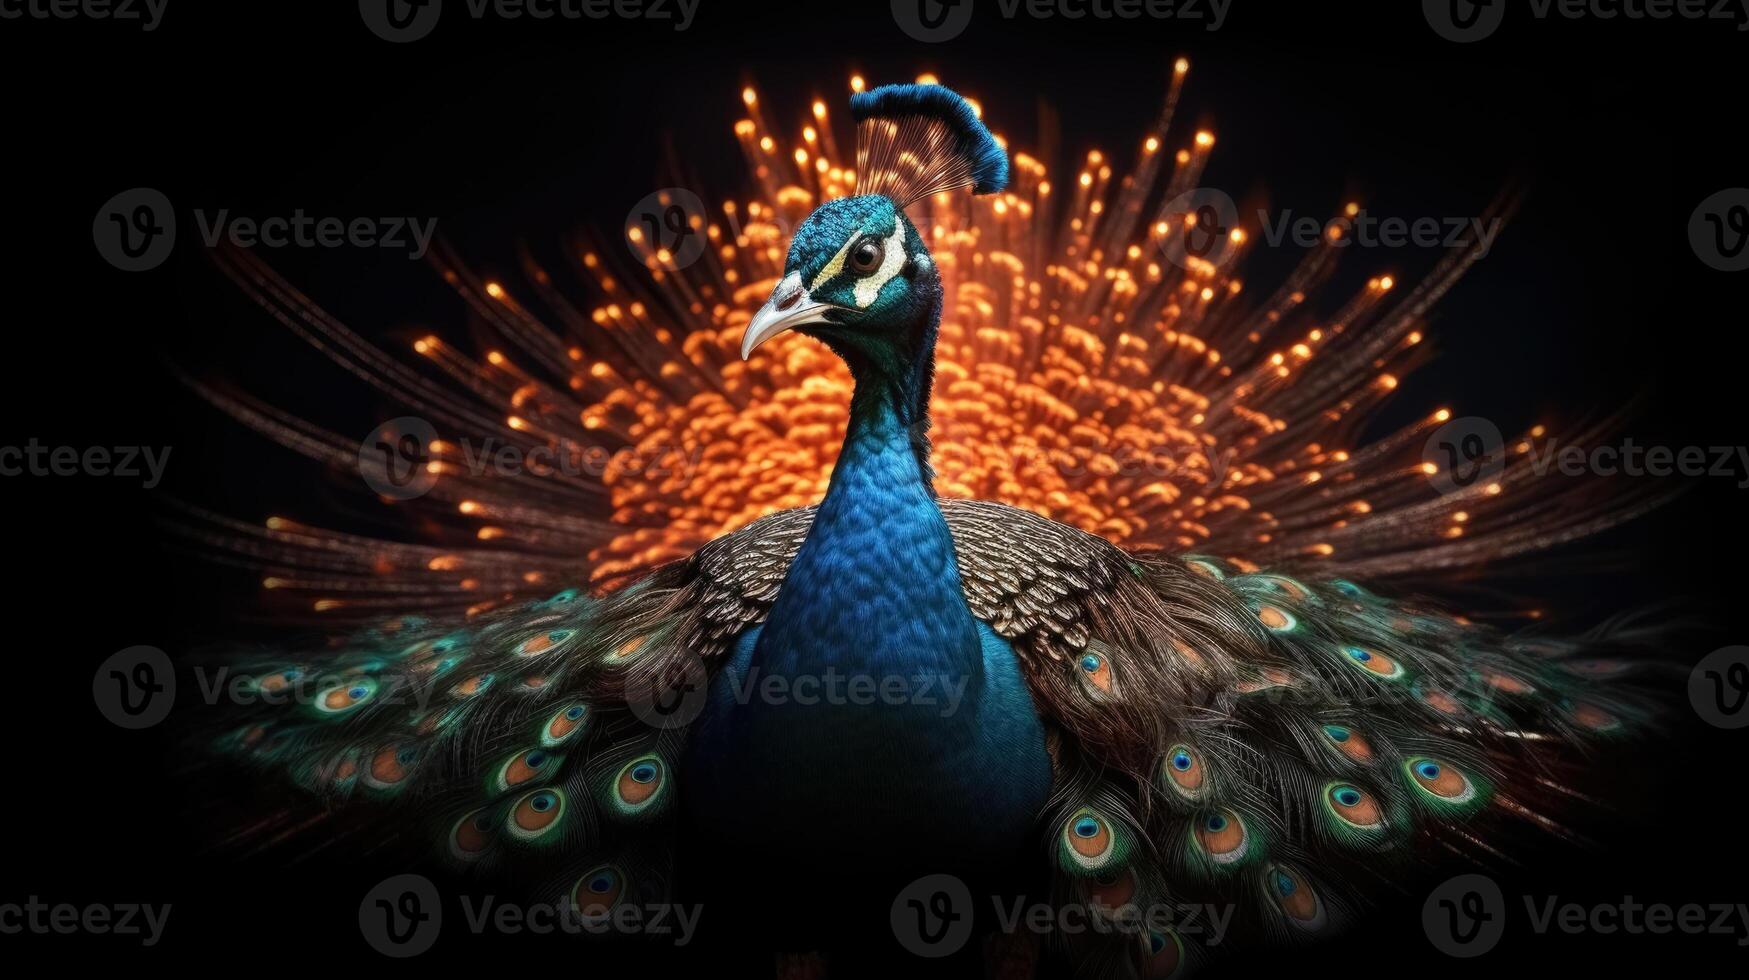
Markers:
<point>527,131</point>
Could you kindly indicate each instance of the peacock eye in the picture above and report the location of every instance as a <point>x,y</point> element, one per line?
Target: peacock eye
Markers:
<point>867,255</point>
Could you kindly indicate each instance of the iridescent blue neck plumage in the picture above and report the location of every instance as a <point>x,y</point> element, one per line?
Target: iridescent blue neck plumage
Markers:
<point>875,587</point>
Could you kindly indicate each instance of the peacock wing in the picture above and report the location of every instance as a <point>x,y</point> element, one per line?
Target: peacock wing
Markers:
<point>1248,740</point>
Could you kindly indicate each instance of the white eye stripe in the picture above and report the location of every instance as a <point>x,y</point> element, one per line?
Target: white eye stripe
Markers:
<point>868,287</point>
<point>835,266</point>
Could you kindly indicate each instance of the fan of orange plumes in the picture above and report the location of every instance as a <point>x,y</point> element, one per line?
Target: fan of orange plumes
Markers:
<point>1081,374</point>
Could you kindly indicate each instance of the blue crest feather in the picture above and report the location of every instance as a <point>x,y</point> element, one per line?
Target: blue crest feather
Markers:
<point>971,141</point>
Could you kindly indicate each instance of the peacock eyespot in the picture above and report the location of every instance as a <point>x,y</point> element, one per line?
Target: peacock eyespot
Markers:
<point>1276,618</point>
<point>1440,780</point>
<point>390,766</point>
<point>563,725</point>
<point>1222,837</point>
<point>598,891</point>
<point>1296,899</point>
<point>867,255</point>
<point>1095,669</point>
<point>639,786</point>
<point>345,697</point>
<point>1089,842</point>
<point>1374,663</point>
<point>1349,742</point>
<point>1184,771</point>
<point>1354,806</point>
<point>536,815</point>
<point>1164,954</point>
<point>471,835</point>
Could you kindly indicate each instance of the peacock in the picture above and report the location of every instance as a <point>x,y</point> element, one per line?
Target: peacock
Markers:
<point>828,702</point>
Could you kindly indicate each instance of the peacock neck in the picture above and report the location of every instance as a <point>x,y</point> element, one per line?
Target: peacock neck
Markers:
<point>875,587</point>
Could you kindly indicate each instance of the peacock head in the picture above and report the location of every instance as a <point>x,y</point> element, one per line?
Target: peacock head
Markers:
<point>858,276</point>
<point>859,279</point>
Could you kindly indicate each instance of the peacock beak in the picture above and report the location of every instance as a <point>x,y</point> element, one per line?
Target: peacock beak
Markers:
<point>790,306</point>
